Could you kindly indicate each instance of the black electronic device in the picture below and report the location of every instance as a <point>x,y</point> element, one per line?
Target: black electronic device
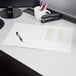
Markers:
<point>12,67</point>
<point>66,7</point>
<point>11,7</point>
<point>1,23</point>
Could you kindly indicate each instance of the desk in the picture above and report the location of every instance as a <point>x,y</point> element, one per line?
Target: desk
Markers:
<point>48,63</point>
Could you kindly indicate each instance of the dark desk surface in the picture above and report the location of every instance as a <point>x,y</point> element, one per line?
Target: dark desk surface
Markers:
<point>11,67</point>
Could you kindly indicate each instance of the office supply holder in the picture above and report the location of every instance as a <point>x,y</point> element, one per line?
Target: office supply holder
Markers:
<point>31,12</point>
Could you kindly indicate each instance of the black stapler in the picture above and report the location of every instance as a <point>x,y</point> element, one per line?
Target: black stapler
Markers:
<point>50,17</point>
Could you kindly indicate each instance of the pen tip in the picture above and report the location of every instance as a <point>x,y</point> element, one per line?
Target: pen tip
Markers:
<point>16,32</point>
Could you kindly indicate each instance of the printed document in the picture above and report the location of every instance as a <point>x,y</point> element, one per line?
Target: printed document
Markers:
<point>49,38</point>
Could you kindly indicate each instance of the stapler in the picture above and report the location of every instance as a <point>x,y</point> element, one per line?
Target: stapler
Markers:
<point>50,17</point>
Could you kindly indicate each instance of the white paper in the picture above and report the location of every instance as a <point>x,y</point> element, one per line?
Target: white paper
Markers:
<point>41,37</point>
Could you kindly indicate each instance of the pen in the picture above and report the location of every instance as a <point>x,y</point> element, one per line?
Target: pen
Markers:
<point>19,36</point>
<point>44,7</point>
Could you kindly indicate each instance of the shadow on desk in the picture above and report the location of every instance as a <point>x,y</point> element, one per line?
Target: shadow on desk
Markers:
<point>12,67</point>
